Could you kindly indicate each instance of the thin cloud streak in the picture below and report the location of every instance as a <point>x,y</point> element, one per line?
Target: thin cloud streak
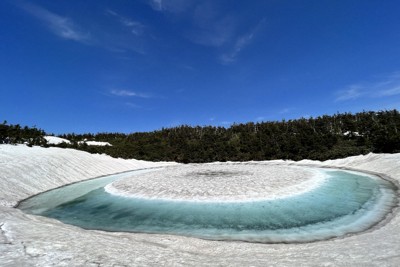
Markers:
<point>214,34</point>
<point>156,4</point>
<point>352,92</point>
<point>136,27</point>
<point>391,92</point>
<point>285,110</point>
<point>132,105</point>
<point>260,118</point>
<point>388,86</point>
<point>241,43</point>
<point>61,26</point>
<point>66,28</point>
<point>173,6</point>
<point>207,26</point>
<point>128,93</point>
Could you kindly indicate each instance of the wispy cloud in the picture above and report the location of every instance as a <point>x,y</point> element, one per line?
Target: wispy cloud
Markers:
<point>63,27</point>
<point>285,110</point>
<point>216,33</point>
<point>390,86</point>
<point>136,27</point>
<point>205,24</point>
<point>241,42</point>
<point>156,4</point>
<point>208,24</point>
<point>117,41</point>
<point>391,91</point>
<point>386,86</point>
<point>132,105</point>
<point>174,6</point>
<point>352,92</point>
<point>128,93</point>
<point>260,118</point>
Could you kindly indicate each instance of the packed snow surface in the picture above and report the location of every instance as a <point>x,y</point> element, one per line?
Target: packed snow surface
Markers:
<point>95,143</point>
<point>54,140</point>
<point>219,182</point>
<point>30,240</point>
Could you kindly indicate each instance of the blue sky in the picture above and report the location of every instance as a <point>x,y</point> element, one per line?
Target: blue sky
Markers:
<point>127,66</point>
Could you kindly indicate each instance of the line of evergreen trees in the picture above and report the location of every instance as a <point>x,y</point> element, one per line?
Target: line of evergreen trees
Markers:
<point>321,138</point>
<point>16,134</point>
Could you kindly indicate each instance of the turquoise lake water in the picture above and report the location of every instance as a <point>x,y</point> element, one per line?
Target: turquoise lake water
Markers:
<point>347,202</point>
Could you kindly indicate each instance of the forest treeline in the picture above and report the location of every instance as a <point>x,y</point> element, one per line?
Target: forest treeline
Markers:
<point>324,137</point>
<point>320,138</point>
<point>16,134</point>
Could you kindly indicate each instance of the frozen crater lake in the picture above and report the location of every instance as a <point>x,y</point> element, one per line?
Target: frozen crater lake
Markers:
<point>254,202</point>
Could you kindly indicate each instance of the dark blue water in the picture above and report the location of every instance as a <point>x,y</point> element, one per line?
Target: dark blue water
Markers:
<point>346,202</point>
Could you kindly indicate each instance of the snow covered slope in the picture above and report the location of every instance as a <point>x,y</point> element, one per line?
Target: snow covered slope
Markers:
<point>26,171</point>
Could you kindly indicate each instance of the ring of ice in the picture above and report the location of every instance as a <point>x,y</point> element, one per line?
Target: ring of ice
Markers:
<point>225,201</point>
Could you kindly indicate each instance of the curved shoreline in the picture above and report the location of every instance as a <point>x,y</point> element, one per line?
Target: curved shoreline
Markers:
<point>77,182</point>
<point>346,225</point>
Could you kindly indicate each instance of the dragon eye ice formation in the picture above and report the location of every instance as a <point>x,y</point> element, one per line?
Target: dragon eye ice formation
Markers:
<point>252,202</point>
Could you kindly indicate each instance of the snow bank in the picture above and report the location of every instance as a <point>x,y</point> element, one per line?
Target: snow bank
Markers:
<point>28,240</point>
<point>54,140</point>
<point>28,171</point>
<point>95,143</point>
